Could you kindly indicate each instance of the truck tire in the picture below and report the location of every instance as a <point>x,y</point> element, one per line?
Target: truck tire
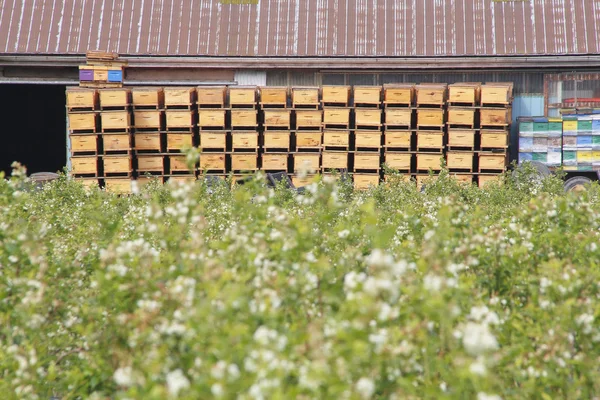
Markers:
<point>542,170</point>
<point>576,183</point>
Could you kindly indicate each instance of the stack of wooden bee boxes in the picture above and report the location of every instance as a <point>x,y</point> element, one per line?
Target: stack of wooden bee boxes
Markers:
<point>277,123</point>
<point>367,136</point>
<point>398,127</point>
<point>308,133</point>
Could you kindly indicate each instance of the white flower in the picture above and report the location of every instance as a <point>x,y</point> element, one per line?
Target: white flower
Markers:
<point>432,283</point>
<point>217,390</point>
<point>123,377</point>
<point>483,314</point>
<point>310,257</point>
<point>176,381</point>
<point>378,258</point>
<point>218,370</point>
<point>586,321</point>
<point>477,339</point>
<point>233,371</point>
<point>343,234</point>
<point>365,387</point>
<point>478,367</point>
<point>485,396</point>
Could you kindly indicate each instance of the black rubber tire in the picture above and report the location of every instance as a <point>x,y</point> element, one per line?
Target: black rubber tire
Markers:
<point>542,170</point>
<point>576,183</point>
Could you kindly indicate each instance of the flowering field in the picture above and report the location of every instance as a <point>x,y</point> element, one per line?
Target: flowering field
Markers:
<point>201,292</point>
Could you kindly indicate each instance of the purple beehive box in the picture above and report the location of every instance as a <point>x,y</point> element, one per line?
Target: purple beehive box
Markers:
<point>86,75</point>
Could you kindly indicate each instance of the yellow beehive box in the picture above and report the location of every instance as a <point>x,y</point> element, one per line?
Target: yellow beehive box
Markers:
<point>212,162</point>
<point>494,116</point>
<point>335,94</point>
<point>243,117</point>
<point>430,117</point>
<point>179,141</point>
<point>398,117</point>
<point>147,118</point>
<point>308,139</point>
<point>147,97</point>
<point>244,140</point>
<point>305,96</point>
<point>308,118</point>
<point>431,94</point>
<point>244,161</point>
<point>461,116</point>
<point>494,161</point>
<point>83,143</point>
<point>276,140</point>
<point>336,116</point>
<point>275,161</point>
<point>461,138</point>
<point>483,180</point>
<point>213,140</point>
<point>84,121</point>
<point>491,139</point>
<point>115,185</point>
<point>463,93</point>
<point>242,96</point>
<point>459,160</point>
<point>211,95</point>
<point>462,178</point>
<point>426,161</point>
<point>179,96</point>
<point>117,164</point>
<point>211,117</point>
<point>306,161</point>
<point>115,120</point>
<point>398,94</point>
<point>369,161</point>
<point>114,97</point>
<point>400,139</point>
<point>365,181</point>
<point>82,98</point>
<point>370,95</point>
<point>116,142</point>
<point>147,141</point>
<point>399,161</point>
<point>367,117</point>
<point>335,160</point>
<point>431,140</point>
<point>496,94</point>
<point>336,138</point>
<point>277,117</point>
<point>300,181</point>
<point>273,96</point>
<point>84,165</point>
<point>178,163</point>
<point>370,139</point>
<point>179,119</point>
<point>150,163</point>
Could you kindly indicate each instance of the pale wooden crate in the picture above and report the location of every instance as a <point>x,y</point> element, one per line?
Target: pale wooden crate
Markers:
<point>398,94</point>
<point>147,118</point>
<point>82,121</point>
<point>492,161</point>
<point>183,178</point>
<point>211,95</point>
<point>213,140</point>
<point>460,160</point>
<point>461,116</point>
<point>367,117</point>
<point>244,161</point>
<point>463,93</point>
<point>83,143</point>
<point>150,162</point>
<point>336,138</point>
<point>309,161</point>
<point>178,163</point>
<point>496,93</point>
<point>82,98</point>
<point>367,139</point>
<point>494,116</point>
<point>211,117</point>
<point>115,120</point>
<point>120,97</point>
<point>308,118</point>
<point>147,141</point>
<point>276,140</point>
<point>365,181</point>
<point>242,96</point>
<point>426,161</point>
<point>430,117</point>
<point>300,181</point>
<point>335,160</point>
<point>100,73</point>
<point>243,117</point>
<point>462,178</point>
<point>114,164</point>
<point>431,94</point>
<point>244,140</point>
<point>277,117</point>
<point>369,161</point>
<point>398,117</point>
<point>115,185</point>
<point>305,96</point>
<point>399,161</point>
<point>179,118</point>
<point>336,116</point>
<point>84,165</point>
<point>494,139</point>
<point>179,141</point>
<point>273,95</point>
<point>275,161</point>
<point>212,161</point>
<point>335,94</point>
<point>429,139</point>
<point>147,97</point>
<point>400,139</point>
<point>483,180</point>
<point>116,142</point>
<point>367,95</point>
<point>88,183</point>
<point>308,139</point>
<point>461,138</point>
<point>179,96</point>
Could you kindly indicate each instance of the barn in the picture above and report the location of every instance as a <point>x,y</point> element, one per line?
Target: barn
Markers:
<point>550,50</point>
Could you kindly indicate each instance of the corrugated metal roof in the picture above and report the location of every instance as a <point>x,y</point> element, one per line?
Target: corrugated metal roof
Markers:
<point>290,28</point>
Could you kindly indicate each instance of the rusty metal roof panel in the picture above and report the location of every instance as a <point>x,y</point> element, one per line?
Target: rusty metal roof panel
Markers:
<point>301,28</point>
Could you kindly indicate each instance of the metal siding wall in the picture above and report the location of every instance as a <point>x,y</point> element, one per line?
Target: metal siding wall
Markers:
<point>523,106</point>
<point>251,78</point>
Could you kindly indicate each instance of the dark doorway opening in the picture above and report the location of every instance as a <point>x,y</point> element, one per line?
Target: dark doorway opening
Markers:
<point>33,127</point>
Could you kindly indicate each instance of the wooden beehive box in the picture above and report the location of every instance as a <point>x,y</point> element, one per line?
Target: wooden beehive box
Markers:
<point>364,181</point>
<point>83,143</point>
<point>461,138</point>
<point>462,178</point>
<point>82,121</point>
<point>335,94</point>
<point>483,180</point>
<point>400,139</point>
<point>369,161</point>
<point>82,98</point>
<point>116,142</point>
<point>150,163</point>
<point>214,140</point>
<point>275,161</point>
<point>178,163</point>
<point>276,140</point>
<point>300,181</point>
<point>398,94</point>
<point>212,162</point>
<point>117,164</point>
<point>336,138</point>
<point>179,141</point>
<point>431,94</point>
<point>308,118</point>
<point>273,96</point>
<point>183,178</point>
<point>244,161</point>
<point>243,117</point>
<point>242,96</point>
<point>147,119</point>
<point>147,97</point>
<point>211,95</point>
<point>431,140</point>
<point>244,140</point>
<point>430,117</point>
<point>305,96</point>
<point>120,97</point>
<point>336,116</point>
<point>88,183</point>
<point>461,116</point>
<point>459,160</point>
<point>398,117</point>
<point>309,161</point>
<point>147,141</point>
<point>370,95</point>
<point>399,161</point>
<point>367,117</point>
<point>277,117</point>
<point>211,117</point>
<point>494,116</point>
<point>494,139</point>
<point>426,161</point>
<point>84,165</point>
<point>179,118</point>
<point>179,96</point>
<point>115,120</point>
<point>115,185</point>
<point>308,139</point>
<point>496,93</point>
<point>335,160</point>
<point>370,139</point>
<point>463,93</point>
<point>493,161</point>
